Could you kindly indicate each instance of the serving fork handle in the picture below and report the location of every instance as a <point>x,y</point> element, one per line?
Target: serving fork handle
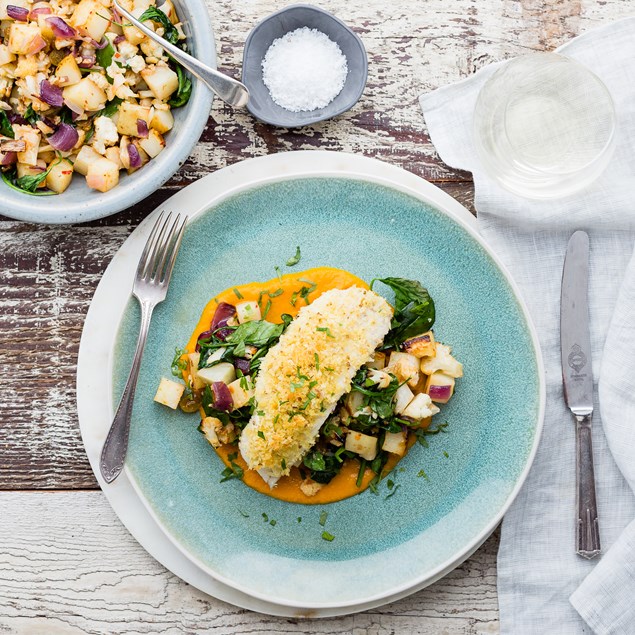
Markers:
<point>587,527</point>
<point>113,454</point>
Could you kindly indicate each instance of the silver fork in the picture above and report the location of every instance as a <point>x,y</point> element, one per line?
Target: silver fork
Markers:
<point>230,90</point>
<point>150,288</point>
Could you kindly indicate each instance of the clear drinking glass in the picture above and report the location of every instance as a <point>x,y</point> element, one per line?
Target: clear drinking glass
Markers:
<point>544,126</point>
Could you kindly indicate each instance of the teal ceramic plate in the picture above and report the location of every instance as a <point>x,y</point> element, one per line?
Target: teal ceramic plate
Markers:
<point>446,498</point>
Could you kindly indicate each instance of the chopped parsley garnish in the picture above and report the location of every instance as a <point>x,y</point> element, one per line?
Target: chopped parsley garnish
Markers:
<point>265,517</point>
<point>446,455</point>
<point>294,260</point>
<point>243,514</point>
<point>360,474</point>
<point>325,329</point>
<point>239,295</point>
<point>233,471</point>
<point>327,536</point>
<point>317,361</point>
<point>278,272</point>
<point>261,434</point>
<point>273,522</point>
<point>178,365</point>
<point>422,474</point>
<point>392,493</point>
<point>283,464</point>
<point>299,519</point>
<point>323,517</point>
<point>267,309</point>
<point>6,128</point>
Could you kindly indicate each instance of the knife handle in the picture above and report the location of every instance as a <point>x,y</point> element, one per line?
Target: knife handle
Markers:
<point>587,530</point>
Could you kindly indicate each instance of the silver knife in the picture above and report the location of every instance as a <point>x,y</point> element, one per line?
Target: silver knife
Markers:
<point>577,377</point>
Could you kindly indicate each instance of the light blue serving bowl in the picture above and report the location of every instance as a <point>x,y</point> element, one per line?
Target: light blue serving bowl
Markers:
<point>79,203</point>
<point>450,495</point>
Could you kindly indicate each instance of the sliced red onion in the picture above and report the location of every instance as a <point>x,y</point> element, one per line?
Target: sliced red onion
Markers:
<point>142,128</point>
<point>119,39</point>
<point>60,28</point>
<point>40,11</point>
<point>64,138</point>
<point>17,13</point>
<point>76,109</point>
<point>205,335</point>
<point>224,312</point>
<point>100,45</point>
<point>242,365</point>
<point>19,119</point>
<point>8,158</point>
<point>221,396</point>
<point>88,61</point>
<point>134,156</point>
<point>52,95</point>
<point>440,393</point>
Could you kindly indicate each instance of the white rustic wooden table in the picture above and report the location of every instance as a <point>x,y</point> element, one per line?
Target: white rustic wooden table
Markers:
<point>66,563</point>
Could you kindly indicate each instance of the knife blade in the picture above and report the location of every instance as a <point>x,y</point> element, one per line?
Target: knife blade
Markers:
<point>577,378</point>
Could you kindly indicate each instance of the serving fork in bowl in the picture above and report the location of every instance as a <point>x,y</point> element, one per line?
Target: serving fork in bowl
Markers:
<point>150,287</point>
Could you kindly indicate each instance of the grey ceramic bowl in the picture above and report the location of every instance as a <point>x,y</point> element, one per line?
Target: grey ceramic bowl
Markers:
<point>276,25</point>
<point>79,203</point>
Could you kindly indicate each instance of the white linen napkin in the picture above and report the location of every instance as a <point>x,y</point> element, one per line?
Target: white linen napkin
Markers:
<point>543,585</point>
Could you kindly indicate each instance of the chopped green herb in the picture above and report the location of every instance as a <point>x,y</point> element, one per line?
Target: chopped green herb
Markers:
<point>267,309</point>
<point>278,272</point>
<point>323,517</point>
<point>273,522</point>
<point>233,471</point>
<point>239,295</point>
<point>329,369</point>
<point>325,329</point>
<point>111,108</point>
<point>392,493</point>
<point>243,514</point>
<point>265,517</point>
<point>446,455</point>
<point>327,536</point>
<point>422,474</point>
<point>261,434</point>
<point>295,259</point>
<point>178,365</point>
<point>276,293</point>
<point>260,413</point>
<point>283,464</point>
<point>317,361</point>
<point>360,474</point>
<point>299,519</point>
<point>275,419</point>
<point>390,483</point>
<point>30,115</point>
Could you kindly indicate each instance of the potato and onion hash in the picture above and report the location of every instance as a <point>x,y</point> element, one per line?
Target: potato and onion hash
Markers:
<point>82,91</point>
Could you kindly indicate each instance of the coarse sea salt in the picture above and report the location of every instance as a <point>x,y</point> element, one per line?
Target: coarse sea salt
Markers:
<point>304,70</point>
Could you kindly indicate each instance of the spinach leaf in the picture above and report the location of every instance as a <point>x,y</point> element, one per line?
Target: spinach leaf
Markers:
<point>239,417</point>
<point>184,91</point>
<point>323,467</point>
<point>9,178</point>
<point>257,333</point>
<point>104,58</point>
<point>30,115</point>
<point>5,125</point>
<point>111,108</point>
<point>414,310</point>
<point>66,115</point>
<point>170,32</point>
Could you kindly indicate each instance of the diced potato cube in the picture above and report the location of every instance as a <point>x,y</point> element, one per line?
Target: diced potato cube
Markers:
<point>242,391</point>
<point>378,362</point>
<point>442,361</point>
<point>362,444</point>
<point>209,427</point>
<point>67,72</point>
<point>395,443</point>
<point>421,345</point>
<point>27,65</point>
<point>85,95</point>
<point>403,396</point>
<point>161,80</point>
<point>192,369</point>
<point>129,113</point>
<point>162,121</point>
<point>153,144</point>
<point>31,138</point>
<point>247,312</point>
<point>6,56</point>
<point>440,387</point>
<point>169,393</point>
<point>224,372</point>
<point>91,18</point>
<point>112,154</point>
<point>405,367</point>
<point>421,407</point>
<point>84,158</point>
<point>60,176</point>
<point>25,38</point>
<point>102,175</point>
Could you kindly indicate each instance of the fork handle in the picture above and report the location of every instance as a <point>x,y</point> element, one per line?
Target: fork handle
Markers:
<point>113,453</point>
<point>587,526</point>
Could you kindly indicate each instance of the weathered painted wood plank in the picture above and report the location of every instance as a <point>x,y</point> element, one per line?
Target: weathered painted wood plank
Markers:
<point>67,566</point>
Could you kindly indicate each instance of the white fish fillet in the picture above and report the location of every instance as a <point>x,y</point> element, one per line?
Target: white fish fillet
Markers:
<point>302,378</point>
